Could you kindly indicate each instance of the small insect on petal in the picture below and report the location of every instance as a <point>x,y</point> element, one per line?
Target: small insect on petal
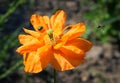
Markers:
<point>40,28</point>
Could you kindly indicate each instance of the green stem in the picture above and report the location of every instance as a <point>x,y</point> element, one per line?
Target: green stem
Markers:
<point>11,69</point>
<point>54,76</point>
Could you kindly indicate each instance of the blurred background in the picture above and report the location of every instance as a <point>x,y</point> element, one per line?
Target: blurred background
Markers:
<point>102,19</point>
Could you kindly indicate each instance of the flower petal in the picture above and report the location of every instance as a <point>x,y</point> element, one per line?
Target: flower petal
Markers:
<point>36,61</point>
<point>47,21</point>
<point>57,22</point>
<point>38,21</point>
<point>71,51</point>
<point>30,46</point>
<point>59,45</point>
<point>62,62</point>
<point>32,33</point>
<point>24,38</point>
<point>74,32</point>
<point>32,62</point>
<point>35,34</point>
<point>80,43</point>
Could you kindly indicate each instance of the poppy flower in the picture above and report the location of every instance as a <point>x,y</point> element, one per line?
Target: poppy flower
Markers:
<point>53,43</point>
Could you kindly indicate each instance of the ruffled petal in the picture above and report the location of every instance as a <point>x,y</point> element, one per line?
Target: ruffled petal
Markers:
<point>32,62</point>
<point>65,61</point>
<point>29,46</point>
<point>36,61</point>
<point>58,21</point>
<point>38,21</point>
<point>32,33</point>
<point>47,21</point>
<point>74,32</point>
<point>80,43</point>
<point>35,34</point>
<point>59,45</point>
<point>71,51</point>
<point>24,38</point>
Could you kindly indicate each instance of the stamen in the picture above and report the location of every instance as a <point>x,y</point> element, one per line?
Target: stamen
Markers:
<point>50,34</point>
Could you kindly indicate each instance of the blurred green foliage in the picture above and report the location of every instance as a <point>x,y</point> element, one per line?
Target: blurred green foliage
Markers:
<point>105,13</point>
<point>8,38</point>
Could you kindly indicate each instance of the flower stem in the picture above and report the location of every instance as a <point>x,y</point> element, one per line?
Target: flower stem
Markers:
<point>54,76</point>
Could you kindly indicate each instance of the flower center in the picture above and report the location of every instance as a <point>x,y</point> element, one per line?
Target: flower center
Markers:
<point>51,39</point>
<point>50,34</point>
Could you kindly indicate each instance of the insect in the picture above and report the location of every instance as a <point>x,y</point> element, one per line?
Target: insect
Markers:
<point>100,26</point>
<point>40,28</point>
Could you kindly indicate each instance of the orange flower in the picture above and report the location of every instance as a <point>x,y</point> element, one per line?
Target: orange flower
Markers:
<point>53,43</point>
